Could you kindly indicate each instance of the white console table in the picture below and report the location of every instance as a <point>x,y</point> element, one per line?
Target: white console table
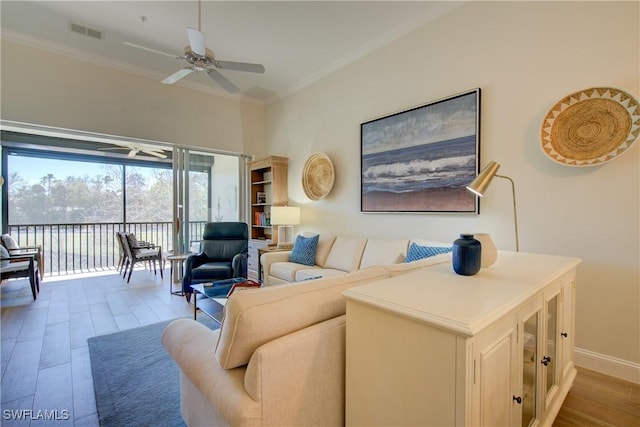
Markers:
<point>435,348</point>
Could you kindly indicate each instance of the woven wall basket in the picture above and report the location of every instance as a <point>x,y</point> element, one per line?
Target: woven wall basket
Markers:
<point>591,127</point>
<point>318,176</point>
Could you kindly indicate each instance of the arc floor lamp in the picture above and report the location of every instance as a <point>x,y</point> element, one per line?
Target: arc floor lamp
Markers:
<point>480,184</point>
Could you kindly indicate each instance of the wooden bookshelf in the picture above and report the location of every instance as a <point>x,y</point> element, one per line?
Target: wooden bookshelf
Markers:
<point>268,179</point>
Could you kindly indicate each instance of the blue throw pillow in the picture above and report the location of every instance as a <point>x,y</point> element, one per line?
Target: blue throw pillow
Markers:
<point>304,250</point>
<point>417,252</point>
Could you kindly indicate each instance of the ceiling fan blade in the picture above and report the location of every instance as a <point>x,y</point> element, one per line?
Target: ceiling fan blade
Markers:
<point>239,66</point>
<point>111,148</point>
<point>132,153</point>
<point>154,153</point>
<point>222,81</point>
<point>178,75</point>
<point>151,50</point>
<point>196,41</point>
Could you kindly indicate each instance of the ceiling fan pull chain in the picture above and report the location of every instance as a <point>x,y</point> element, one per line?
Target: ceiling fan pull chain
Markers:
<point>199,16</point>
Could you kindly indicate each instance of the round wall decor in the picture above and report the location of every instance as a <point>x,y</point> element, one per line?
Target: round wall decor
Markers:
<point>318,176</point>
<point>590,127</point>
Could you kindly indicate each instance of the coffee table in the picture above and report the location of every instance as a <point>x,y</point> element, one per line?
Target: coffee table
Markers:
<point>213,297</point>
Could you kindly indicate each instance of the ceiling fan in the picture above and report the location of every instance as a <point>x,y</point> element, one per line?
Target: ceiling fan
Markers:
<point>135,148</point>
<point>202,59</point>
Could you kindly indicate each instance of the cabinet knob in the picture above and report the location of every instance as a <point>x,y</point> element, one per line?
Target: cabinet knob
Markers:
<point>518,399</point>
<point>546,360</point>
<point>564,334</point>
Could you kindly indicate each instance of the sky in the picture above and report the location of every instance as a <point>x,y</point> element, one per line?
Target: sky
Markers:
<point>32,169</point>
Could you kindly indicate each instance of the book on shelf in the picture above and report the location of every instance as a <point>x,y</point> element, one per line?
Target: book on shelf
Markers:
<point>262,219</point>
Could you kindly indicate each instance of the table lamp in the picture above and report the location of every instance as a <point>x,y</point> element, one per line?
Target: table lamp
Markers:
<point>480,184</point>
<point>285,217</point>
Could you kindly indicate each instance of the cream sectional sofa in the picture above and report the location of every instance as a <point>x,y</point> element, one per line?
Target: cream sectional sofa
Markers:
<point>278,358</point>
<point>337,256</point>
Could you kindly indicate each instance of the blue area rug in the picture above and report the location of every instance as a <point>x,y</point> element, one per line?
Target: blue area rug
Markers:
<point>135,380</point>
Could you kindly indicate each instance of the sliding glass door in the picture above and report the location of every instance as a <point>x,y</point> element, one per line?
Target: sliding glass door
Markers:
<point>70,191</point>
<point>207,187</point>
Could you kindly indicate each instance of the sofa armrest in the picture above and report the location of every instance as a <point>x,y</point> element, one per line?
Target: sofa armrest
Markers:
<point>269,258</point>
<point>191,346</point>
<point>189,342</point>
<point>308,367</point>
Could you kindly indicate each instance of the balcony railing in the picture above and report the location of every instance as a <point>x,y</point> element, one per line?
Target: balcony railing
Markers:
<point>83,248</point>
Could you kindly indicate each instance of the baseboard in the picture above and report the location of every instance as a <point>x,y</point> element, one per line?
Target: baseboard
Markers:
<point>619,368</point>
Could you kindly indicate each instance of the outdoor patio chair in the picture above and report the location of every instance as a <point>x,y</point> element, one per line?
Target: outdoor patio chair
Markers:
<point>16,250</point>
<point>13,267</point>
<point>122,239</point>
<point>123,254</point>
<point>137,252</point>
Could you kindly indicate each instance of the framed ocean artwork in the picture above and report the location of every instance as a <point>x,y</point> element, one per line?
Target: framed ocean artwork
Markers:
<point>421,160</point>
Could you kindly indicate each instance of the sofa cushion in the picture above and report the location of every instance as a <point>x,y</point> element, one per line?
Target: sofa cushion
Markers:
<point>384,251</point>
<point>287,270</point>
<point>212,271</point>
<point>308,274</point>
<point>317,273</point>
<point>304,250</point>
<point>256,317</point>
<point>346,253</point>
<point>417,252</point>
<point>325,243</point>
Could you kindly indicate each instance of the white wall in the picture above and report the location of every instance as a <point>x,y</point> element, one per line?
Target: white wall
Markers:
<point>525,57</point>
<point>49,89</point>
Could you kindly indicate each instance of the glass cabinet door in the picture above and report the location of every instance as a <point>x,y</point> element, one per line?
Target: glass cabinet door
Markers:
<point>549,358</point>
<point>530,370</point>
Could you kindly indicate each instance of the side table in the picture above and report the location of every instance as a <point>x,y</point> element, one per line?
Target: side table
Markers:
<point>265,250</point>
<point>177,270</point>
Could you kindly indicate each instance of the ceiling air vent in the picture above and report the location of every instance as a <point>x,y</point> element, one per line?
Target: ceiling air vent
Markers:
<point>85,31</point>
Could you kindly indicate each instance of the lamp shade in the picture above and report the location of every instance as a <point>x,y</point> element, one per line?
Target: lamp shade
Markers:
<point>285,215</point>
<point>480,184</point>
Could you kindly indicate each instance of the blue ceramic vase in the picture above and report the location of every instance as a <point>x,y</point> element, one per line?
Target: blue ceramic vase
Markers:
<point>467,255</point>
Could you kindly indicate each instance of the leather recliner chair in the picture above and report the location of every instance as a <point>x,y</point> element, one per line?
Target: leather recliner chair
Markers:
<point>223,255</point>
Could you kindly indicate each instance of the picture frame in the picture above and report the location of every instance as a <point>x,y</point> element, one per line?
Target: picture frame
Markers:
<point>420,160</point>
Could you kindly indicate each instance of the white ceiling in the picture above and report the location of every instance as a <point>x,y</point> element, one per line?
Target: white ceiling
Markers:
<point>297,41</point>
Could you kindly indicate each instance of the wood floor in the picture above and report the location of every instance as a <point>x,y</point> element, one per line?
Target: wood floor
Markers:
<point>46,367</point>
<point>600,400</point>
<point>45,358</point>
